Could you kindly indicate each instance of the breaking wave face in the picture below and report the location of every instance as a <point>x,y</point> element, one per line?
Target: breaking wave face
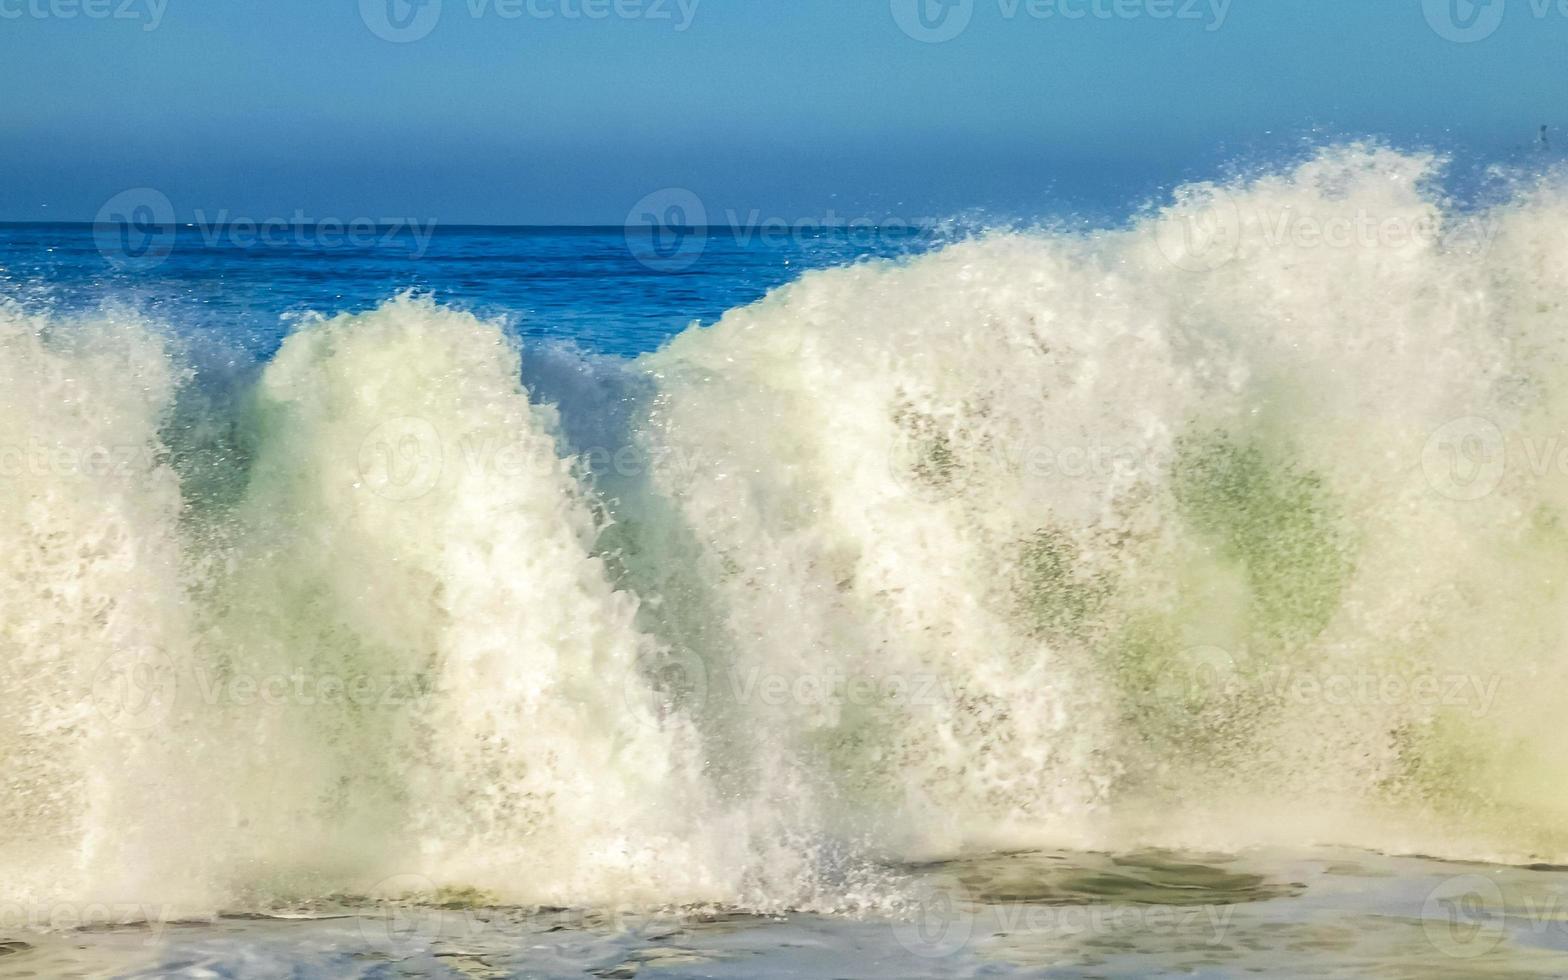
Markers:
<point>1242,525</point>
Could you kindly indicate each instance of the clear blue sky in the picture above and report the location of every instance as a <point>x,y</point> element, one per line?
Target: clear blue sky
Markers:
<point>265,107</point>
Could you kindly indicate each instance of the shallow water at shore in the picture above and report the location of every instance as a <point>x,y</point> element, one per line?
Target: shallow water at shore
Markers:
<point>1323,913</point>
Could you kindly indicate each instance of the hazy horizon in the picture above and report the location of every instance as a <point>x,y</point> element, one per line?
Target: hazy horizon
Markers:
<point>481,112</point>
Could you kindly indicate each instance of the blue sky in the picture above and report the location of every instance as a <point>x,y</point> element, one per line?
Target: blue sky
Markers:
<point>532,111</point>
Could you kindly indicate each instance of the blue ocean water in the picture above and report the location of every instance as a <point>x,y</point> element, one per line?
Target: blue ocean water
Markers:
<point>609,290</point>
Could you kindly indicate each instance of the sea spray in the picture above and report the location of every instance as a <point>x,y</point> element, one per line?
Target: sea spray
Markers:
<point>1241,524</point>
<point>1107,485</point>
<point>91,608</point>
<point>523,757</point>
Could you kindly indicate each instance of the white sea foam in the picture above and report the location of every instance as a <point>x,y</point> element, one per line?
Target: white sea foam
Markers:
<point>1241,524</point>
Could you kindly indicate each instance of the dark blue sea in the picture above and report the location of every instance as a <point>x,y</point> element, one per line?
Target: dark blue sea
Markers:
<point>620,291</point>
